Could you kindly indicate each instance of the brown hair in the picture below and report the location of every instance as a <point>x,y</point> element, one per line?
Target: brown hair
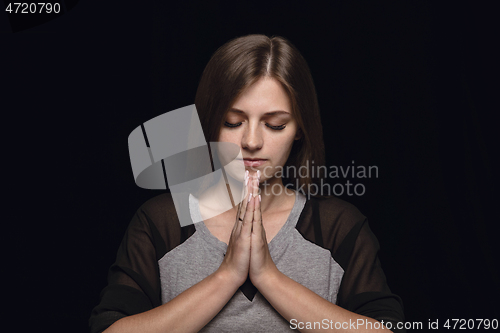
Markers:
<point>241,62</point>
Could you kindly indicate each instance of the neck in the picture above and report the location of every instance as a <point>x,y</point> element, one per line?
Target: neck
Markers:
<point>273,193</point>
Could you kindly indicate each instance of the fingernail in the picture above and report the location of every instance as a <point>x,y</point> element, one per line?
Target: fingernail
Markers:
<point>260,198</point>
<point>250,197</point>
<point>246,181</point>
<point>258,174</point>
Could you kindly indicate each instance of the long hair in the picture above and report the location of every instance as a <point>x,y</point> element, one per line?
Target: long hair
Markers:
<point>243,61</point>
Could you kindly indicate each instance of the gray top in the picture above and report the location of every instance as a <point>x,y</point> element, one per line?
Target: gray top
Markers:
<point>326,245</point>
<point>202,253</point>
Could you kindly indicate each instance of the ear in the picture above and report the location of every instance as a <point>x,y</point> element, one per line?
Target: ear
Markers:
<point>298,134</point>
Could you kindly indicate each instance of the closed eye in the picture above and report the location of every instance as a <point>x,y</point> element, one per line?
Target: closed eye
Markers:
<point>276,128</point>
<point>232,125</point>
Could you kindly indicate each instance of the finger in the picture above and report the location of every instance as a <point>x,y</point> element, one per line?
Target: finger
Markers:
<point>257,217</point>
<point>256,184</point>
<point>242,206</point>
<point>237,222</point>
<point>247,220</point>
<point>244,201</point>
<point>255,192</point>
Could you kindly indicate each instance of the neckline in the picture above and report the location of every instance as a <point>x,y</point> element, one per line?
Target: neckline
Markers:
<point>290,223</point>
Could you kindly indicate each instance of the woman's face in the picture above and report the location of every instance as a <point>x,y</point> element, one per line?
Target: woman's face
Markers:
<point>260,122</point>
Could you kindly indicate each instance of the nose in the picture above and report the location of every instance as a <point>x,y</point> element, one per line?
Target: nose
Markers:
<point>252,138</point>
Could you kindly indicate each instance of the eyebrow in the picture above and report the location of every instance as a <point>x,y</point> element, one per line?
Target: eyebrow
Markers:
<point>270,113</point>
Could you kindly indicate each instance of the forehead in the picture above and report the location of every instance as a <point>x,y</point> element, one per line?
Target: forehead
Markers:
<point>265,95</point>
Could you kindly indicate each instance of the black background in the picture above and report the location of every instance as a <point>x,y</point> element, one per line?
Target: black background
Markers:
<point>403,85</point>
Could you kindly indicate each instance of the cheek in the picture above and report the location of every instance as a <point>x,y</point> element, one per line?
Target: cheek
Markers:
<point>225,136</point>
<point>281,149</point>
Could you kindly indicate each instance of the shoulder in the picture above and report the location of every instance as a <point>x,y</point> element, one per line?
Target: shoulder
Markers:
<point>326,221</point>
<point>340,221</point>
<point>333,210</point>
<point>161,215</point>
<point>158,206</point>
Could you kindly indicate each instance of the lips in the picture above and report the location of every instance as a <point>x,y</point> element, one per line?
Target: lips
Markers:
<point>254,162</point>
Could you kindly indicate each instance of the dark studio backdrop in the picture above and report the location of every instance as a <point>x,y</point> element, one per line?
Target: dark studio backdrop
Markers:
<point>406,86</point>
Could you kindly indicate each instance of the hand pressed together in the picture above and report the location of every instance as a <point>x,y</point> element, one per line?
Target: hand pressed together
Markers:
<point>247,252</point>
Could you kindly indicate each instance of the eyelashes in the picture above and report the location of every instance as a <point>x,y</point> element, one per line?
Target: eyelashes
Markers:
<point>231,125</point>
<point>276,128</point>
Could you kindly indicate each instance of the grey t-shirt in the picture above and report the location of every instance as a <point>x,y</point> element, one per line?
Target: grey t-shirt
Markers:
<point>201,255</point>
<point>325,245</point>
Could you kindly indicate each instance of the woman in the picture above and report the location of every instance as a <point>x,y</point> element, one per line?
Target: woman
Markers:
<point>280,262</point>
